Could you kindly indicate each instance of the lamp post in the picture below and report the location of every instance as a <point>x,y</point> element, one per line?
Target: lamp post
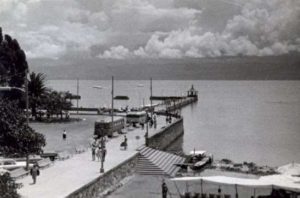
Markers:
<point>140,86</point>
<point>102,140</point>
<point>98,87</point>
<point>102,152</point>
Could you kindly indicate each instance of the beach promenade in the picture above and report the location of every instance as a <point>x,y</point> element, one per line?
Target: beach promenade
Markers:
<point>64,177</point>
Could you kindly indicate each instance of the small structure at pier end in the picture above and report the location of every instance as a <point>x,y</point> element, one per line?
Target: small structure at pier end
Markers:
<point>192,92</point>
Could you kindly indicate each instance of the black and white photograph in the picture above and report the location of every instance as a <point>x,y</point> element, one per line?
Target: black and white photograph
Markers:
<point>149,98</point>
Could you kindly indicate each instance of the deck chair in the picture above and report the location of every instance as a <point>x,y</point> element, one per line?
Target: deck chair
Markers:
<point>18,173</point>
<point>44,163</point>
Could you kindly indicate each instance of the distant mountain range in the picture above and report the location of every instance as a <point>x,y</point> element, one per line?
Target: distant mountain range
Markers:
<point>285,67</point>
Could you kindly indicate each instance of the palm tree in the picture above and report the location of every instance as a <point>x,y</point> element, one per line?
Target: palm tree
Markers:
<point>36,89</point>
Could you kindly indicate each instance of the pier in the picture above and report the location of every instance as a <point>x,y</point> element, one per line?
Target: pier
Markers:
<point>172,104</point>
<point>80,176</point>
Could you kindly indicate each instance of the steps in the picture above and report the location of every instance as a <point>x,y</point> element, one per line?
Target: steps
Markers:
<point>156,162</point>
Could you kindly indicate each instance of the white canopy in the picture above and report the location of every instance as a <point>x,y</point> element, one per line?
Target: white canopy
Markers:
<point>281,181</point>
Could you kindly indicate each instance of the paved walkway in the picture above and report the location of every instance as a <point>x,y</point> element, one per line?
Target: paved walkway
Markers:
<point>64,177</point>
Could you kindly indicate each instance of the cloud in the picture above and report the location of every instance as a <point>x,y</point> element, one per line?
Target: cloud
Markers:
<point>52,29</point>
<point>118,52</point>
<point>120,29</point>
<point>262,28</point>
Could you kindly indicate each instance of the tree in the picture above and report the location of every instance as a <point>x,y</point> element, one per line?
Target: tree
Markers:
<point>56,102</point>
<point>36,89</point>
<point>13,64</point>
<point>16,137</point>
<point>13,67</point>
<point>8,187</point>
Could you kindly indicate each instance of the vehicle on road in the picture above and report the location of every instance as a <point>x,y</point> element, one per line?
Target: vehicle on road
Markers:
<point>11,164</point>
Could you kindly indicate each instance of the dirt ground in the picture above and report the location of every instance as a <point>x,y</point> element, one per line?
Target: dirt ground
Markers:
<point>78,133</point>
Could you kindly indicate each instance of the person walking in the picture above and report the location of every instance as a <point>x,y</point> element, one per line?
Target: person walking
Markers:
<point>154,121</point>
<point>64,134</point>
<point>94,147</point>
<point>164,189</point>
<point>103,154</point>
<point>34,172</point>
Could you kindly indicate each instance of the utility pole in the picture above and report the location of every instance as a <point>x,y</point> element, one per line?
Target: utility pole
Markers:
<point>77,93</point>
<point>151,97</point>
<point>27,116</point>
<point>102,151</point>
<point>112,100</point>
<point>27,100</point>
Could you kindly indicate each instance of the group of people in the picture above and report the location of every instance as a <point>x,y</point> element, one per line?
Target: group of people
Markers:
<point>152,121</point>
<point>99,149</point>
<point>168,119</point>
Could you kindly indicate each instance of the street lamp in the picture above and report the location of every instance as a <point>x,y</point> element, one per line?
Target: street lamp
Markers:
<point>102,140</point>
<point>98,87</point>
<point>140,86</point>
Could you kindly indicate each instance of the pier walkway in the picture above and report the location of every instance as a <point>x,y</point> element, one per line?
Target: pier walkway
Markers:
<point>64,177</point>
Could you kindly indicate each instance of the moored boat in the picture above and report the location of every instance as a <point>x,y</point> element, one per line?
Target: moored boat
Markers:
<point>197,159</point>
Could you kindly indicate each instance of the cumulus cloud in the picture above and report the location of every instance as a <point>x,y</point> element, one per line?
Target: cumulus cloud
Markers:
<point>118,52</point>
<point>120,29</point>
<point>262,28</point>
<point>51,29</point>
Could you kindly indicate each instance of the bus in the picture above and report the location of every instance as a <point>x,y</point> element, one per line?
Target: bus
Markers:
<point>104,126</point>
<point>135,117</point>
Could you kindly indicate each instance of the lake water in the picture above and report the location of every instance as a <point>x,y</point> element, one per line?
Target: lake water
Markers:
<point>241,120</point>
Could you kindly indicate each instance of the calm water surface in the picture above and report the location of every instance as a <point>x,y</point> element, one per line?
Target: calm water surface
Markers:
<point>241,120</point>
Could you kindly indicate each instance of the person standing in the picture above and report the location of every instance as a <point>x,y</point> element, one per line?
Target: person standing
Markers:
<point>125,142</point>
<point>34,172</point>
<point>64,135</point>
<point>154,121</point>
<point>164,189</point>
<point>103,154</point>
<point>94,147</point>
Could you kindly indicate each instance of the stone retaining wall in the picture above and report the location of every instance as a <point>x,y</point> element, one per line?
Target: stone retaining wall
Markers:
<point>109,180</point>
<point>167,136</point>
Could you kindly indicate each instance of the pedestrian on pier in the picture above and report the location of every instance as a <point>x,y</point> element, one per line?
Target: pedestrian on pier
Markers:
<point>103,154</point>
<point>151,122</point>
<point>124,143</point>
<point>170,119</point>
<point>164,189</point>
<point>94,147</point>
<point>34,172</point>
<point>143,125</point>
<point>154,121</point>
<point>64,135</point>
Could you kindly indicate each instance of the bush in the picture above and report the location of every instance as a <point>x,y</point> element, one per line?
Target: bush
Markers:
<point>8,187</point>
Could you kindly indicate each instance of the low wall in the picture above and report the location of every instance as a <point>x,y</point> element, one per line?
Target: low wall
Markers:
<point>111,179</point>
<point>167,136</point>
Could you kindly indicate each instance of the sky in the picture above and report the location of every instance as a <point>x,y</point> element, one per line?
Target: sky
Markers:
<point>172,29</point>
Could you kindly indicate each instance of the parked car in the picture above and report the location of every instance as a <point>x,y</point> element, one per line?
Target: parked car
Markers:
<point>10,164</point>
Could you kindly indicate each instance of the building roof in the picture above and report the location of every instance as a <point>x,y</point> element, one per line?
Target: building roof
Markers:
<point>107,119</point>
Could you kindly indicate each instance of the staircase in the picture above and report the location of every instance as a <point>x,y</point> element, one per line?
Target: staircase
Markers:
<point>156,162</point>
